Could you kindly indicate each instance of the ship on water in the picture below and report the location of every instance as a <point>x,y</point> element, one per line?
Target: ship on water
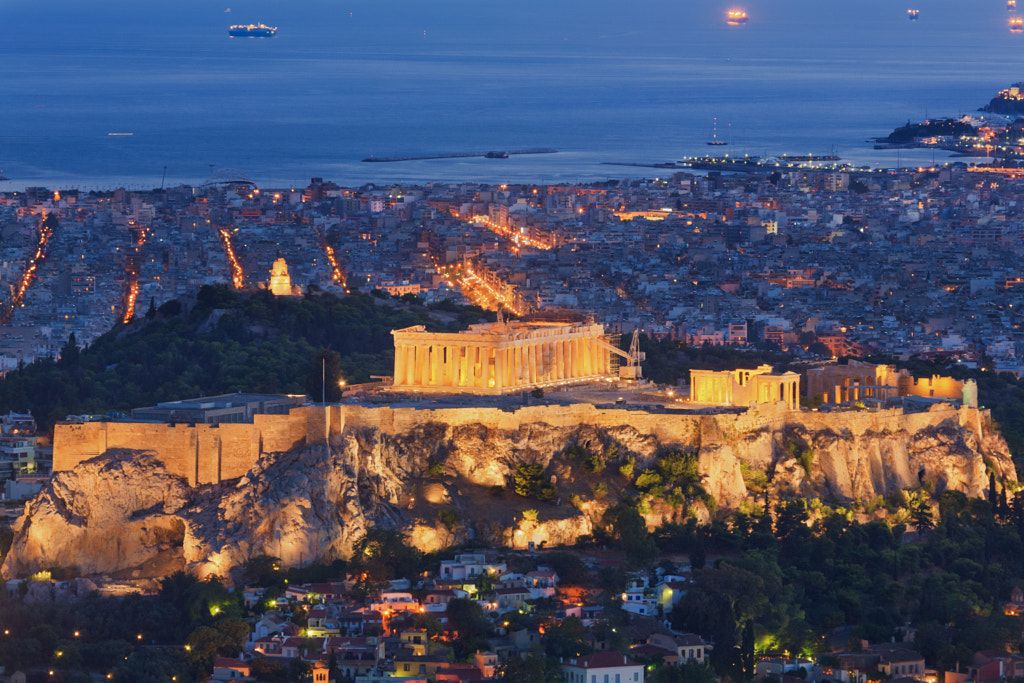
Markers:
<point>1016,24</point>
<point>714,141</point>
<point>912,14</point>
<point>260,30</point>
<point>735,17</point>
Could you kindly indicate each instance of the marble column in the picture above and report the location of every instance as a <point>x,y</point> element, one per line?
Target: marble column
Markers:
<point>571,359</point>
<point>469,376</point>
<point>463,365</point>
<point>450,366</point>
<point>435,365</point>
<point>531,363</point>
<point>420,372</point>
<point>485,368</point>
<point>499,368</point>
<point>478,367</point>
<point>400,352</point>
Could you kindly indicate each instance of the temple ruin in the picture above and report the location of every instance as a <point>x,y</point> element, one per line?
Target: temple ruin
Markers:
<point>861,381</point>
<point>744,387</point>
<point>502,357</point>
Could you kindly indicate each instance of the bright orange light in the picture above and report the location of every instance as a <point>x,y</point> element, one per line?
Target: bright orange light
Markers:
<point>237,275</point>
<point>45,233</point>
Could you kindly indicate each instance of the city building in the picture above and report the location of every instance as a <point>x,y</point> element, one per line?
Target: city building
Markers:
<point>602,667</point>
<point>227,408</point>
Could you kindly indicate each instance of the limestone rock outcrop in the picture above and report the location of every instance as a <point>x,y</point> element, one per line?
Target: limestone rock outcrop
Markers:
<point>123,514</point>
<point>112,512</point>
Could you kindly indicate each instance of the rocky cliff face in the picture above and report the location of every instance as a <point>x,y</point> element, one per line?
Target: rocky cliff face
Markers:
<point>122,514</point>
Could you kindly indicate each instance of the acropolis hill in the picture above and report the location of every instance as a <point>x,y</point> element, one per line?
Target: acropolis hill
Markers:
<point>138,500</point>
<point>207,484</point>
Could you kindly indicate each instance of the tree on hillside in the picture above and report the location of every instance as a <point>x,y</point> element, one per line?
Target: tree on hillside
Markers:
<point>627,527</point>
<point>69,353</point>
<point>921,515</point>
<point>534,668</point>
<point>384,554</point>
<point>687,672</point>
<point>747,658</point>
<point>468,620</point>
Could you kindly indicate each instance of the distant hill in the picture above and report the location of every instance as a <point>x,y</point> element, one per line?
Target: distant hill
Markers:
<point>1007,102</point>
<point>908,133</point>
<point>224,341</point>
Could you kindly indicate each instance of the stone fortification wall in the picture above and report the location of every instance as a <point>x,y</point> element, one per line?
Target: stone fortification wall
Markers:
<point>671,428</point>
<point>199,453</point>
<point>208,454</point>
<point>859,422</point>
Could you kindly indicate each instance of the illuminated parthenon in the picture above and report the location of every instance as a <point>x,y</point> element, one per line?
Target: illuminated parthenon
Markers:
<point>495,358</point>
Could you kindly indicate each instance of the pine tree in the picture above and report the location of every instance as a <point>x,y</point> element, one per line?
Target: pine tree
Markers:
<point>69,353</point>
<point>698,556</point>
<point>747,660</point>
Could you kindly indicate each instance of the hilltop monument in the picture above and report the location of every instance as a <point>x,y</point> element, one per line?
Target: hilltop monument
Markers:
<point>280,281</point>
<point>502,357</point>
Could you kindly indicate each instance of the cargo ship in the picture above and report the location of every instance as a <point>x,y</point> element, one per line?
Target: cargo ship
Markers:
<point>734,17</point>
<point>912,14</point>
<point>252,30</point>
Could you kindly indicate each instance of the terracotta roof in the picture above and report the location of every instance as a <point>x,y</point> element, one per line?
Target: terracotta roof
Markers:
<point>688,639</point>
<point>897,656</point>
<point>230,663</point>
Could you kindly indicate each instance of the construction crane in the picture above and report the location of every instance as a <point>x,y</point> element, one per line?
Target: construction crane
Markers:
<point>633,358</point>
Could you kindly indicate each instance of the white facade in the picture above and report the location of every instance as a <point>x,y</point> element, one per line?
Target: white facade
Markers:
<point>602,667</point>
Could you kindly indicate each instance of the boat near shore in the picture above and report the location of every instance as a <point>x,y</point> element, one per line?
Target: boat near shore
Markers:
<point>502,154</point>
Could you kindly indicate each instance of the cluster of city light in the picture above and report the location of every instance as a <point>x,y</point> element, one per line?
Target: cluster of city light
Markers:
<point>133,278</point>
<point>472,278</point>
<point>45,233</point>
<point>518,239</point>
<point>337,274</point>
<point>453,279</point>
<point>237,274</point>
<point>477,290</point>
<point>133,293</point>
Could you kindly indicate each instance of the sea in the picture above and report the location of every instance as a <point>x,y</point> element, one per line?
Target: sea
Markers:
<point>118,93</point>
